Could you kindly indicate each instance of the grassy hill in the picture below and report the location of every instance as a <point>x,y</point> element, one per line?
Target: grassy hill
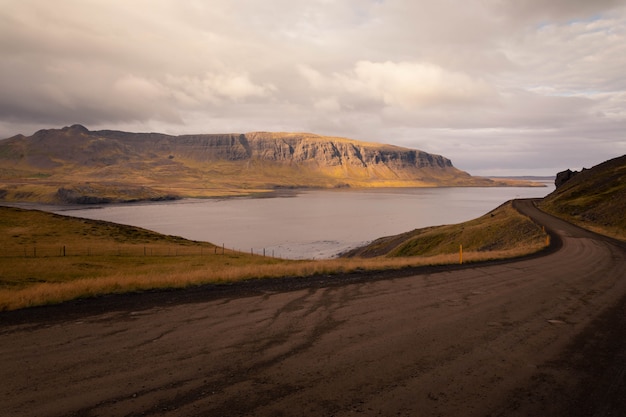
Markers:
<point>500,233</point>
<point>47,258</point>
<point>594,198</point>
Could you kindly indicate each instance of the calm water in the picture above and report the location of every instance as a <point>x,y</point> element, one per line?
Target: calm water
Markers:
<point>309,224</point>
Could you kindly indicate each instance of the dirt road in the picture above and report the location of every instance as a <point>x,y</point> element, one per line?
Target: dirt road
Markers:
<point>538,337</point>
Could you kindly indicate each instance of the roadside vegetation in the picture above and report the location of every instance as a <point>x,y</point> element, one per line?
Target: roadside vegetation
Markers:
<point>503,232</point>
<point>47,258</point>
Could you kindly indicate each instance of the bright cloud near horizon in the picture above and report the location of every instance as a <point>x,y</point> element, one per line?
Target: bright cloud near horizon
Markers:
<point>501,87</point>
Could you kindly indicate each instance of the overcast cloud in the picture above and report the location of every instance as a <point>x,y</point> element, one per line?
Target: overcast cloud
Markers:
<point>498,86</point>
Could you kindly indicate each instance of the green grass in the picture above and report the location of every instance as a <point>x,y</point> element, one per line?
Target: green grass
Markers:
<point>502,230</point>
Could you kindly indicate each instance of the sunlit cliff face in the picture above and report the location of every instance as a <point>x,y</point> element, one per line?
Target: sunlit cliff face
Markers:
<point>74,164</point>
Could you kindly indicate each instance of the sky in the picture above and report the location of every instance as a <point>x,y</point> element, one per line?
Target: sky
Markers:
<point>501,87</point>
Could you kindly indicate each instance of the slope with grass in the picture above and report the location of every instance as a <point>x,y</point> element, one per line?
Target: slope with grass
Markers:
<point>503,232</point>
<point>48,258</point>
<point>76,165</point>
<point>594,198</point>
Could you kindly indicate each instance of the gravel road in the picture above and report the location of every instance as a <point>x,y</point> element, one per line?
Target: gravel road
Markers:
<point>542,336</point>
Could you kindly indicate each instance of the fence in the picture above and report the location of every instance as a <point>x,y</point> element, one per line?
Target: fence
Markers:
<point>48,251</point>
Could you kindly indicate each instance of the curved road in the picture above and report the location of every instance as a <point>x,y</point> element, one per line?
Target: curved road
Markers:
<point>538,336</point>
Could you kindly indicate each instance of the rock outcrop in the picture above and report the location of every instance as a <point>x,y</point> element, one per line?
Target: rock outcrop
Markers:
<point>564,176</point>
<point>277,147</point>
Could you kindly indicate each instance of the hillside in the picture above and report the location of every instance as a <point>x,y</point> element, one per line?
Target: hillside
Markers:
<point>76,165</point>
<point>503,232</point>
<point>48,258</point>
<point>593,198</point>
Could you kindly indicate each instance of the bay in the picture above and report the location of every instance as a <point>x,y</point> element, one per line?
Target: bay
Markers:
<point>308,224</point>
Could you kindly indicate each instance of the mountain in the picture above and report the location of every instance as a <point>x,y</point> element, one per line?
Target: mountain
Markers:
<point>594,198</point>
<point>76,165</point>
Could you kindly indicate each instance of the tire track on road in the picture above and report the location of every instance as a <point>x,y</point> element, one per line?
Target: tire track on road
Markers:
<point>507,338</point>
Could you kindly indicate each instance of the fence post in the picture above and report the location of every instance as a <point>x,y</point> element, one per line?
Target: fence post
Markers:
<point>63,250</point>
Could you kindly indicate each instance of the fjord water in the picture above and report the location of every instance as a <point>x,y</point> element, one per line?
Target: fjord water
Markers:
<point>309,224</point>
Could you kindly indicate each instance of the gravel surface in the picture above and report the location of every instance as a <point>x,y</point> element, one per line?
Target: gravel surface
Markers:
<point>544,335</point>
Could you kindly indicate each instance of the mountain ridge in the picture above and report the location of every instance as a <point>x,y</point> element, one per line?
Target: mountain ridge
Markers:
<point>124,166</point>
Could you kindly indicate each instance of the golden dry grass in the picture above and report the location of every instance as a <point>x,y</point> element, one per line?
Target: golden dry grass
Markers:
<point>108,276</point>
<point>115,259</point>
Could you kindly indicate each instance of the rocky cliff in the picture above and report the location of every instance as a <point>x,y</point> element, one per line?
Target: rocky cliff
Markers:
<point>209,164</point>
<point>298,148</point>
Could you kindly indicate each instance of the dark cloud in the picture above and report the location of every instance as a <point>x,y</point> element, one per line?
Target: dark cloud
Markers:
<point>559,10</point>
